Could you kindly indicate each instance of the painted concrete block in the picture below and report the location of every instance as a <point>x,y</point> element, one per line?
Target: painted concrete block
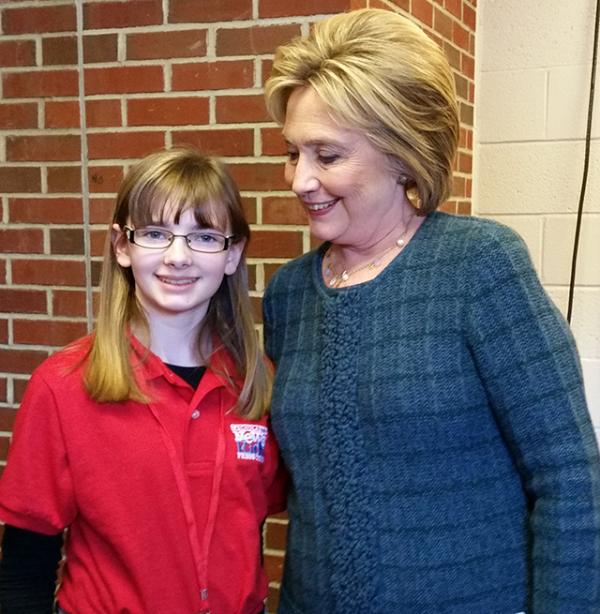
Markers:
<point>511,106</point>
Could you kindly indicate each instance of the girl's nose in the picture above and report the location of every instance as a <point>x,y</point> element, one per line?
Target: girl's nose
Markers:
<point>178,253</point>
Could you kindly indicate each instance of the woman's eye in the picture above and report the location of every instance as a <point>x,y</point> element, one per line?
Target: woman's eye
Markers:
<point>292,156</point>
<point>328,158</point>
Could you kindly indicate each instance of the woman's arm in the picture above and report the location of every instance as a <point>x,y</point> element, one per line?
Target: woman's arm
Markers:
<point>28,571</point>
<point>526,358</point>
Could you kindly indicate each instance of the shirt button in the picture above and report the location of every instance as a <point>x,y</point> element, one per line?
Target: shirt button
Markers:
<point>195,414</point>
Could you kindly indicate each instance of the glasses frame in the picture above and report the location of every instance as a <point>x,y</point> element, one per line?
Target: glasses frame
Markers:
<point>130,234</point>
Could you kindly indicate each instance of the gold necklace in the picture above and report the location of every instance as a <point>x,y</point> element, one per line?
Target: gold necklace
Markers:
<point>335,279</point>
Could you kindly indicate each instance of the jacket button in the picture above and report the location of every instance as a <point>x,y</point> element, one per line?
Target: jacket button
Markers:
<point>195,414</point>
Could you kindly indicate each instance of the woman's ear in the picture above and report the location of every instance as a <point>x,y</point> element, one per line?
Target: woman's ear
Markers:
<point>234,255</point>
<point>120,246</point>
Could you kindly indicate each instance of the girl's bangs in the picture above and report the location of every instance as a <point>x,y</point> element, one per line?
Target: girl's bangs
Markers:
<point>161,205</point>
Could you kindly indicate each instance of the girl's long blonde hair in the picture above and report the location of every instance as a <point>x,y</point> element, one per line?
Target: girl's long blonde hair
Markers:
<point>166,184</point>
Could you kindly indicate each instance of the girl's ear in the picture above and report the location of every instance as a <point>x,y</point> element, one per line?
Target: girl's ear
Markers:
<point>120,246</point>
<point>234,255</point>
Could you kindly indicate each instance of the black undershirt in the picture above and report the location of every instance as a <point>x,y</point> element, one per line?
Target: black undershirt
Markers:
<point>30,560</point>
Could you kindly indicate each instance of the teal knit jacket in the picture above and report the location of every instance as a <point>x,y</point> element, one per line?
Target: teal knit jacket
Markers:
<point>435,427</point>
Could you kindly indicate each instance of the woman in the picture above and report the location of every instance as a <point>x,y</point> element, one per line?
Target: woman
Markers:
<point>149,440</point>
<point>428,399</point>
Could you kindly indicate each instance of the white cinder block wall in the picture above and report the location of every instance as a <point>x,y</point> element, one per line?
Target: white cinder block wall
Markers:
<point>533,69</point>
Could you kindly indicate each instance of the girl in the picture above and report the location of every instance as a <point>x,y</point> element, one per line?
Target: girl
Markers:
<point>149,440</point>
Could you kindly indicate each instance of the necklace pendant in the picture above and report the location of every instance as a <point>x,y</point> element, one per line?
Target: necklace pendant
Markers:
<point>333,282</point>
<point>400,242</point>
<point>345,276</point>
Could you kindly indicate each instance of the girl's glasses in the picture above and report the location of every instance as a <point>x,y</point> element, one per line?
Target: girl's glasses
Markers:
<point>154,237</point>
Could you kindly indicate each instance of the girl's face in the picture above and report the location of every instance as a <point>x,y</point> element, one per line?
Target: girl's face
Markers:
<point>347,187</point>
<point>176,282</point>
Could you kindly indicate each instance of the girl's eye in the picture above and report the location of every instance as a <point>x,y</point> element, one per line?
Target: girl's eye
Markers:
<point>154,234</point>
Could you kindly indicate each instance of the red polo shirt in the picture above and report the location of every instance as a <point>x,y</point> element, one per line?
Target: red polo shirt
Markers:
<point>163,501</point>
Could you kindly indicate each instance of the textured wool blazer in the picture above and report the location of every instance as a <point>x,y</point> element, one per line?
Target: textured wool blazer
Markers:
<point>434,423</point>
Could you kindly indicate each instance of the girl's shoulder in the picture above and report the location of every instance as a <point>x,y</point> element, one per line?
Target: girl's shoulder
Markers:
<point>66,362</point>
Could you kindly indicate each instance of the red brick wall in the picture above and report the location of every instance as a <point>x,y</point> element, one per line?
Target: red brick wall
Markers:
<point>118,80</point>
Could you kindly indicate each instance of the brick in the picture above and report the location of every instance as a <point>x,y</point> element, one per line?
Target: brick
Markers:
<point>275,244</point>
<point>241,109</point>
<point>219,142</point>
<point>96,272</point>
<point>105,178</point>
<point>45,210</point>
<point>103,113</point>
<point>276,535</point>
<point>265,66</point>
<point>462,86</point>
<point>108,145</point>
<point>150,111</point>
<point>276,8</point>
<point>97,241</point>
<point>19,387</point>
<point>22,301</point>
<point>273,567</point>
<point>192,11</point>
<point>213,75</point>
<point>465,163</point>
<point>21,240</point>
<point>40,84</point>
<point>47,332</point>
<point>2,271</point>
<point>259,176</point>
<point>469,17</point>
<point>66,241</point>
<point>17,53</point>
<point>4,445</point>
<point>124,14</point>
<point>41,19</point>
<point>467,65</point>
<point>272,600</point>
<point>7,416</point>
<point>249,207</point>
<point>169,44</point>
<point>59,50</point>
<point>57,148</point>
<point>454,7</point>
<point>423,11</point>
<point>460,36</point>
<point>20,179</point>
<point>48,272</point>
<point>123,80</point>
<point>466,113</point>
<point>442,23</point>
<point>18,116</point>
<point>64,179</point>
<point>3,331</point>
<point>98,113</point>
<point>69,303</point>
<point>20,361</point>
<point>282,210</point>
<point>101,210</point>
<point>253,41</point>
<point>272,141</point>
<point>453,55</point>
<point>100,48</point>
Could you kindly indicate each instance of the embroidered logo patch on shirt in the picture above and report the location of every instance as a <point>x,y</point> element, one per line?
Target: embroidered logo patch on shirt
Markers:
<point>250,440</point>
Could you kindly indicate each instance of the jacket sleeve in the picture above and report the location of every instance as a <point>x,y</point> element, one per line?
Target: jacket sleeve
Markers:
<point>28,571</point>
<point>526,358</point>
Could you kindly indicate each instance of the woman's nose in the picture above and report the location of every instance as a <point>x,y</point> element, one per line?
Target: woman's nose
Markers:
<point>178,253</point>
<point>302,176</point>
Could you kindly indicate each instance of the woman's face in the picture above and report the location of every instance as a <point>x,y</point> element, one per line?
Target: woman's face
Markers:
<point>347,187</point>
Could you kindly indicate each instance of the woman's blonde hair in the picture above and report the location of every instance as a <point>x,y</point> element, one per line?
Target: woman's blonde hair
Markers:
<point>379,73</point>
<point>162,186</point>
